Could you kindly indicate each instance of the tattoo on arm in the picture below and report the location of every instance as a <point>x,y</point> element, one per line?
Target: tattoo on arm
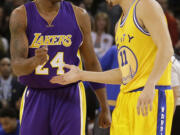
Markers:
<point>21,65</point>
<point>19,47</point>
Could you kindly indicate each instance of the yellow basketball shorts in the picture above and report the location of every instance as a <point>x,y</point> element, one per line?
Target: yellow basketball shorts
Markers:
<point>126,121</point>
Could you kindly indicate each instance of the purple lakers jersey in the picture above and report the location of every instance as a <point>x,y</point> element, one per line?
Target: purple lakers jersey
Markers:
<point>63,39</point>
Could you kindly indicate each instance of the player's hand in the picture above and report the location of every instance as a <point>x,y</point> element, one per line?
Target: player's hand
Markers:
<point>104,119</point>
<point>145,101</point>
<point>41,55</point>
<point>70,77</point>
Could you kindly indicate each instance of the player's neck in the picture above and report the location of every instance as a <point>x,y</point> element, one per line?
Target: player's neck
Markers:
<point>125,5</point>
<point>47,5</point>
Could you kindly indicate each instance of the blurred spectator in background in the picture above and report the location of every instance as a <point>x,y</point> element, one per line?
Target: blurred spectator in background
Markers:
<point>90,5</point>
<point>4,46</point>
<point>175,7</point>
<point>5,80</point>
<point>76,2</point>
<point>17,3</point>
<point>4,27</point>
<point>177,47</point>
<point>87,4</point>
<point>178,22</point>
<point>12,4</point>
<point>17,92</point>
<point>172,24</point>
<point>102,40</point>
<point>108,61</point>
<point>82,5</point>
<point>1,2</point>
<point>10,125</point>
<point>2,18</point>
<point>175,77</point>
<point>10,89</point>
<point>8,6</point>
<point>114,14</point>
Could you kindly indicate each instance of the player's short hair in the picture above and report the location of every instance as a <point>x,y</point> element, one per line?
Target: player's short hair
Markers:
<point>7,112</point>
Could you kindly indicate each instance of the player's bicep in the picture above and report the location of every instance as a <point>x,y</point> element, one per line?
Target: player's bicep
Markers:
<point>154,21</point>
<point>19,46</point>
<point>87,50</point>
<point>19,41</point>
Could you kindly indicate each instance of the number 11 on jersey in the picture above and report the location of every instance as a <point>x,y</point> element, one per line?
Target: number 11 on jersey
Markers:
<point>123,58</point>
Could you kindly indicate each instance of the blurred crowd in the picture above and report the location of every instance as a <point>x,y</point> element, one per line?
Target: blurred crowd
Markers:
<point>103,20</point>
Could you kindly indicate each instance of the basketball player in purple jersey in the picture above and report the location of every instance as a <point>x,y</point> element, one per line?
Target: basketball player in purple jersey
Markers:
<point>45,35</point>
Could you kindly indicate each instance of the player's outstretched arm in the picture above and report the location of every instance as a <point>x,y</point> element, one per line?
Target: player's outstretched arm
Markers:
<point>108,77</point>
<point>151,15</point>
<point>22,65</point>
<point>75,74</point>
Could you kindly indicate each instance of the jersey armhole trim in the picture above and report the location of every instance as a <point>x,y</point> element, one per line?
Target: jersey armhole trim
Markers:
<point>137,23</point>
<point>122,21</point>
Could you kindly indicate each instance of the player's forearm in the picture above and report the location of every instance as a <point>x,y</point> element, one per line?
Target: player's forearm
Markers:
<point>102,98</point>
<point>92,65</point>
<point>107,77</point>
<point>23,66</point>
<point>162,59</point>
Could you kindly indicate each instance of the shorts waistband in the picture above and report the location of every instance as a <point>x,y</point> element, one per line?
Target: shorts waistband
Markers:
<point>159,87</point>
<point>65,87</point>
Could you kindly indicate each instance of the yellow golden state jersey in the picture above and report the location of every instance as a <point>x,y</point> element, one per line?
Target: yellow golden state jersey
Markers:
<point>136,53</point>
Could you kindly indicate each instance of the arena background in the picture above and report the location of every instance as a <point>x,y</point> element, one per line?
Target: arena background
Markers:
<point>103,20</point>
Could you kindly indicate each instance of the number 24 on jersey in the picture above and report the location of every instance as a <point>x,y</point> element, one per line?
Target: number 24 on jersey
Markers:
<point>56,62</point>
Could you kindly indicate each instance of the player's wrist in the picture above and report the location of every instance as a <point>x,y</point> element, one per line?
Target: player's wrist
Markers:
<point>105,107</point>
<point>81,75</point>
<point>35,62</point>
<point>149,87</point>
<point>150,83</point>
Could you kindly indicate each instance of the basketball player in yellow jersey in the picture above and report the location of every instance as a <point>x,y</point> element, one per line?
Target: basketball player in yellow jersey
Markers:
<point>145,103</point>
